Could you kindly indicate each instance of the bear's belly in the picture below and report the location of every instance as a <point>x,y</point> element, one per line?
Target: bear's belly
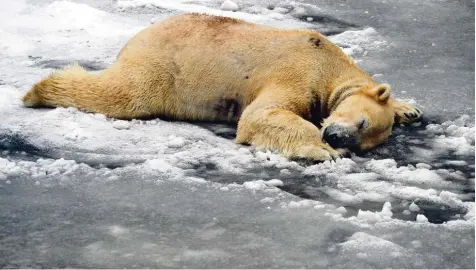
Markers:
<point>209,98</point>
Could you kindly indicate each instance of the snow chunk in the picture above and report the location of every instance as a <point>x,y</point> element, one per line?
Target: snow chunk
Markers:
<point>456,162</point>
<point>274,183</point>
<point>121,124</point>
<point>255,185</point>
<point>421,219</point>
<point>229,5</point>
<point>364,242</point>
<point>373,217</point>
<point>356,42</point>
<point>413,207</point>
<point>387,210</point>
<point>176,142</point>
<point>341,210</point>
<point>302,203</point>
<point>423,166</point>
<point>162,166</point>
<point>261,184</point>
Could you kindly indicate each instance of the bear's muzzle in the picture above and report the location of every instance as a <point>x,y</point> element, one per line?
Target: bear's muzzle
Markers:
<point>339,136</point>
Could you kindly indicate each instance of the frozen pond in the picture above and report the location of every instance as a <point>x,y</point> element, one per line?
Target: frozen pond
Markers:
<point>77,191</point>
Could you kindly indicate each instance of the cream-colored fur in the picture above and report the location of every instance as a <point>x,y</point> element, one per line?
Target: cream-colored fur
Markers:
<point>277,84</point>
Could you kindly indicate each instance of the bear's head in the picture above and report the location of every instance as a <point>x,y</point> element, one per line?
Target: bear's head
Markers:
<point>361,121</point>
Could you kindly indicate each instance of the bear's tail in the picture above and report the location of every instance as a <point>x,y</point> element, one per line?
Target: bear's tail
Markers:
<point>59,89</point>
<point>75,87</point>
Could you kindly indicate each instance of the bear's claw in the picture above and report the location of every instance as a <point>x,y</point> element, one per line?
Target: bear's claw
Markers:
<point>406,113</point>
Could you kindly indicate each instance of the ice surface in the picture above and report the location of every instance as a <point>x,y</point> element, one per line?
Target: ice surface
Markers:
<point>357,43</point>
<point>253,13</point>
<point>85,191</point>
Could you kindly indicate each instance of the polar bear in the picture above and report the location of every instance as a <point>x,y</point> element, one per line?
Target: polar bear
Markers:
<point>290,91</point>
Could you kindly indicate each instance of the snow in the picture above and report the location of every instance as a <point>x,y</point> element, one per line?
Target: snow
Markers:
<point>423,166</point>
<point>373,217</point>
<point>253,13</point>
<point>357,42</point>
<point>274,183</point>
<point>121,124</point>
<point>255,185</point>
<point>117,192</point>
<point>228,5</point>
<point>261,184</point>
<point>421,218</point>
<point>413,207</point>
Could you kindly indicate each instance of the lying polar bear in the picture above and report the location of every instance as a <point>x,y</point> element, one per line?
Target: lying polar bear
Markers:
<point>279,85</point>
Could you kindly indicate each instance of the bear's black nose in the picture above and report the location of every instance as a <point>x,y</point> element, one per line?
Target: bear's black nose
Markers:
<point>335,136</point>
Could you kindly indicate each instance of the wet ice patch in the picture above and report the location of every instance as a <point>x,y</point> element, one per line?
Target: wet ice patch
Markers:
<point>49,35</point>
<point>357,43</point>
<point>218,8</point>
<point>276,13</point>
<point>362,181</point>
<point>60,64</point>
<point>456,137</point>
<point>95,139</point>
<point>366,247</point>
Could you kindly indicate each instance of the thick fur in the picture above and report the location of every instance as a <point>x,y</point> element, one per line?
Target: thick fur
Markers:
<point>279,85</point>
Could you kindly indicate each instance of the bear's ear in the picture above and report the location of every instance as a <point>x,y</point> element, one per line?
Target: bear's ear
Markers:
<point>380,92</point>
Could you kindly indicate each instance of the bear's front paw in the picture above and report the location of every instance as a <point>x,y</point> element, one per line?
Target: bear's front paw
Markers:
<point>406,113</point>
<point>319,152</point>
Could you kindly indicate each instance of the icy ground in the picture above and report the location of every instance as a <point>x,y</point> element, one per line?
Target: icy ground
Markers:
<point>81,190</point>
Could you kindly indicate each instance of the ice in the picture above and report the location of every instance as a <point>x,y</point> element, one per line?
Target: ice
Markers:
<point>455,137</point>
<point>387,210</point>
<point>256,14</point>
<point>229,5</point>
<point>302,204</point>
<point>121,124</point>
<point>274,183</point>
<point>94,192</point>
<point>413,207</point>
<point>162,166</point>
<point>367,247</point>
<point>421,218</point>
<point>281,10</point>
<point>423,166</point>
<point>373,217</point>
<point>341,210</point>
<point>357,42</point>
<point>262,185</point>
<point>255,185</point>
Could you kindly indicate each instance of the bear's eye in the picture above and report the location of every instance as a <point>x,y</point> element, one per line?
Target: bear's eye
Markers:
<point>362,124</point>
